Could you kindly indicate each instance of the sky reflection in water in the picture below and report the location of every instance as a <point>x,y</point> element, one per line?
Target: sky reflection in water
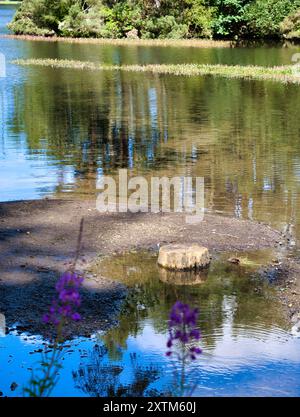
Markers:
<point>248,349</point>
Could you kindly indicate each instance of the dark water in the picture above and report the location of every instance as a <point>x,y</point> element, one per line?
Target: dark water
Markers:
<point>61,130</point>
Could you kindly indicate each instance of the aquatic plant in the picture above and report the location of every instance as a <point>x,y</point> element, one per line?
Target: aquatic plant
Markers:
<point>64,308</point>
<point>283,74</point>
<point>180,43</point>
<point>181,344</point>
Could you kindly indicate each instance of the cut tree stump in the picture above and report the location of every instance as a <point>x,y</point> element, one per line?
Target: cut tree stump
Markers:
<point>183,257</point>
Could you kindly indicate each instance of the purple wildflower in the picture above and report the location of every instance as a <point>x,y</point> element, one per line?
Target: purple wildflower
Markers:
<point>76,316</point>
<point>67,300</point>
<point>183,331</point>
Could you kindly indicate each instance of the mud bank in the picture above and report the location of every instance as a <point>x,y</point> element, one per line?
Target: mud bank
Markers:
<point>38,240</point>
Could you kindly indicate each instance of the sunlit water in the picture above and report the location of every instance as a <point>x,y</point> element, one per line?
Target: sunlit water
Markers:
<point>61,130</point>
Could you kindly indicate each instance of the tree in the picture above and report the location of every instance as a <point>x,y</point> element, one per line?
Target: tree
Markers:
<point>230,19</point>
<point>264,17</point>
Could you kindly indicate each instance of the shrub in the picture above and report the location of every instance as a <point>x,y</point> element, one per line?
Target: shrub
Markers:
<point>156,18</point>
<point>229,17</point>
<point>176,19</point>
<point>265,16</point>
<point>163,28</point>
<point>290,26</point>
<point>40,17</point>
<point>114,19</point>
<point>199,19</point>
<point>78,23</point>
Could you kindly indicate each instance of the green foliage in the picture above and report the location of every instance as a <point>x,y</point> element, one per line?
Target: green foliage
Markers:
<point>290,26</point>
<point>114,19</point>
<point>122,18</point>
<point>163,27</point>
<point>40,17</point>
<point>265,16</point>
<point>229,16</point>
<point>92,20</point>
<point>199,19</point>
<point>43,381</point>
<point>161,19</point>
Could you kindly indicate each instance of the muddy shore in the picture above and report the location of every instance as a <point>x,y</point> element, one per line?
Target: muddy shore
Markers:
<point>38,240</point>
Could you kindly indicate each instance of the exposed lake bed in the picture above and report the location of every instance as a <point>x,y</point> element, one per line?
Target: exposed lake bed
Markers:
<point>29,229</point>
<point>240,315</point>
<point>29,270</point>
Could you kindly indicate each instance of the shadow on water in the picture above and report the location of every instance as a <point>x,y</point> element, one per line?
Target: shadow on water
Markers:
<point>100,380</point>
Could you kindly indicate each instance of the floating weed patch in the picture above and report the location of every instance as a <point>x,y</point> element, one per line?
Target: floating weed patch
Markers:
<point>191,43</point>
<point>283,74</point>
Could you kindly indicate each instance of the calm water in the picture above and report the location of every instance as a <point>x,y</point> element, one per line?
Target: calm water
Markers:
<point>247,347</point>
<point>61,130</point>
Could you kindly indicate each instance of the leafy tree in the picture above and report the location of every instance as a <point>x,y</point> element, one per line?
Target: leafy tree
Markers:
<point>154,18</point>
<point>177,18</point>
<point>230,19</point>
<point>199,18</point>
<point>264,17</point>
<point>40,17</point>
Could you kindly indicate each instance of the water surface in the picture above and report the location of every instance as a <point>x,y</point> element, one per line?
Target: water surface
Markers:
<point>247,346</point>
<point>61,130</point>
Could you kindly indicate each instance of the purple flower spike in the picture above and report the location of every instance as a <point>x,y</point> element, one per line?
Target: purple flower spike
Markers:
<point>183,331</point>
<point>67,301</point>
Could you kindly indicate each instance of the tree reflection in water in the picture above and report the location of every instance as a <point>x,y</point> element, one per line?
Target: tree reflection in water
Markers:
<point>99,378</point>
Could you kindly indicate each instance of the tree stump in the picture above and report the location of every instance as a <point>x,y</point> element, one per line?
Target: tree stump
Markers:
<point>183,257</point>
